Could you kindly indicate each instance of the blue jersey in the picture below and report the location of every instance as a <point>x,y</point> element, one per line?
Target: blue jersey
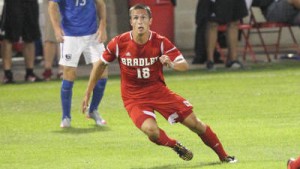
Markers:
<point>79,17</point>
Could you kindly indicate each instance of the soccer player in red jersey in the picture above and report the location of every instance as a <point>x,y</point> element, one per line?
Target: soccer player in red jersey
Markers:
<point>141,54</point>
<point>294,164</point>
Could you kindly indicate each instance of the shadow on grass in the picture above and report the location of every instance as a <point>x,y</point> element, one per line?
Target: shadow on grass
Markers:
<point>182,166</point>
<point>75,130</point>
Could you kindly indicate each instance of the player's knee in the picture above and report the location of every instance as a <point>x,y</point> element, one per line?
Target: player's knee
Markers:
<point>152,132</point>
<point>69,73</point>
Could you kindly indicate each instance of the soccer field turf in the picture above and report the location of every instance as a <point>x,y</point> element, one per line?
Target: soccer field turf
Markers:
<point>255,112</point>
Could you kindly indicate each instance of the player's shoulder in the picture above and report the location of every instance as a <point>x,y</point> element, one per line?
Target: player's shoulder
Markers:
<point>120,40</point>
<point>123,37</point>
<point>156,36</point>
<point>158,39</point>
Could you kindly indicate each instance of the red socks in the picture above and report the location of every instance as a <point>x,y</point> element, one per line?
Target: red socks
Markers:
<point>212,141</point>
<point>164,140</point>
<point>209,138</point>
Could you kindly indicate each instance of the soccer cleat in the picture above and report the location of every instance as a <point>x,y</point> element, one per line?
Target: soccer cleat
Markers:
<point>65,123</point>
<point>229,159</point>
<point>32,78</point>
<point>183,152</point>
<point>98,119</point>
<point>289,163</point>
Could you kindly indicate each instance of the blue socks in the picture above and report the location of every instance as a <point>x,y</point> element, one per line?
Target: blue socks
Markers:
<point>97,94</point>
<point>66,98</point>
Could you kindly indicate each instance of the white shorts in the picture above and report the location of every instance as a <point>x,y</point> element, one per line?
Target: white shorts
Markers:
<point>74,46</point>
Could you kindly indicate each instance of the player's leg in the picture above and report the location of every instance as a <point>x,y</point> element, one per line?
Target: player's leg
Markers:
<point>144,119</point>
<point>177,109</point>
<point>208,137</point>
<point>91,55</point>
<point>155,134</point>
<point>71,50</point>
<point>159,137</point>
<point>69,75</point>
<point>98,93</point>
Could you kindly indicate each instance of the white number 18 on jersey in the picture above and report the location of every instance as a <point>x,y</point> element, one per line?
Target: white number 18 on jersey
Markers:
<point>143,73</point>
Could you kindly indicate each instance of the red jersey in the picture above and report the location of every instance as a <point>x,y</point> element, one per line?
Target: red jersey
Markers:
<point>141,70</point>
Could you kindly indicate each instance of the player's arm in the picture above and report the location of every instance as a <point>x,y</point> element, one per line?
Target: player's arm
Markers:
<point>179,64</point>
<point>95,75</point>
<point>101,10</point>
<point>53,11</point>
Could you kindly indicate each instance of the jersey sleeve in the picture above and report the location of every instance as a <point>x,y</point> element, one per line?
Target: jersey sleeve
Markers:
<point>170,50</point>
<point>111,52</point>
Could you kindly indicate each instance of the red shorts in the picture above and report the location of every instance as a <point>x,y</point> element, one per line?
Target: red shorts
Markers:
<point>171,106</point>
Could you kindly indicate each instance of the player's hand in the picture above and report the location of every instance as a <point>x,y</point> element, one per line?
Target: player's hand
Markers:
<point>165,60</point>
<point>59,35</point>
<point>85,103</point>
<point>101,36</point>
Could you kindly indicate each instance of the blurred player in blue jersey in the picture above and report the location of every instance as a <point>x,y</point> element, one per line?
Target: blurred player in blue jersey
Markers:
<point>79,33</point>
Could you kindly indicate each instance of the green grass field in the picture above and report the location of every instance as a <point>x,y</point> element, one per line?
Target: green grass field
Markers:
<point>255,112</point>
